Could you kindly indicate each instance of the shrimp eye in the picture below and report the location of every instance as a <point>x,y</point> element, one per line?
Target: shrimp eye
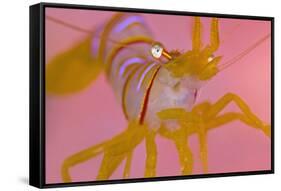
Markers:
<point>157,50</point>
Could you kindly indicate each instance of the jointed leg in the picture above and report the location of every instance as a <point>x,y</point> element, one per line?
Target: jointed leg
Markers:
<point>185,154</point>
<point>208,120</point>
<point>202,135</point>
<point>227,118</point>
<point>79,158</point>
<point>249,116</point>
<point>118,151</point>
<point>151,154</point>
<point>214,123</point>
<point>180,136</point>
<point>127,169</point>
<point>211,119</point>
<point>109,165</point>
<point>115,150</point>
<point>201,108</point>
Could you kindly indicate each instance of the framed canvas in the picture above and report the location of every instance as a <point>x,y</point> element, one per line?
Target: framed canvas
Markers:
<point>124,95</point>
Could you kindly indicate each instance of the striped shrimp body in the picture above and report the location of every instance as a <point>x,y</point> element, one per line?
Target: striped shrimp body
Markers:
<point>156,88</point>
<point>141,84</point>
<point>171,92</point>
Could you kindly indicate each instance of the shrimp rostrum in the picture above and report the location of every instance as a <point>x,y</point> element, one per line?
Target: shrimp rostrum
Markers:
<point>156,88</point>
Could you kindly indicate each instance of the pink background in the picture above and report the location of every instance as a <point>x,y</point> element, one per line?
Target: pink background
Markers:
<point>78,121</point>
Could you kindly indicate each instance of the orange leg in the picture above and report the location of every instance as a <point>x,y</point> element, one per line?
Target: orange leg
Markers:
<point>127,169</point>
<point>115,151</point>
<point>185,154</point>
<point>248,116</point>
<point>151,154</point>
<point>211,120</point>
<point>203,118</point>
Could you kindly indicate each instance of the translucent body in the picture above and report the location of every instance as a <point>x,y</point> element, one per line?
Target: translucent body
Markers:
<point>157,96</point>
<point>170,92</point>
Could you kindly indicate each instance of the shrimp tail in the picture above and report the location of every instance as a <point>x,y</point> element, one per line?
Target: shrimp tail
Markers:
<point>72,70</point>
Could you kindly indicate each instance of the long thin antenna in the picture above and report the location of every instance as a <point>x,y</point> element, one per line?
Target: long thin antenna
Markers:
<point>68,25</point>
<point>89,32</point>
<point>242,54</point>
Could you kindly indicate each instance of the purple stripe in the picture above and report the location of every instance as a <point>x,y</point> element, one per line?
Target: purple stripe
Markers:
<point>121,26</point>
<point>129,62</point>
<point>96,41</point>
<point>143,75</point>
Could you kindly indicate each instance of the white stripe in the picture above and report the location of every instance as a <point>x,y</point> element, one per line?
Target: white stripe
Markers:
<point>96,41</point>
<point>129,62</point>
<point>143,75</point>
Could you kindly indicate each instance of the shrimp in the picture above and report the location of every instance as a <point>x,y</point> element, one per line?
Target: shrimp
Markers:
<point>157,90</point>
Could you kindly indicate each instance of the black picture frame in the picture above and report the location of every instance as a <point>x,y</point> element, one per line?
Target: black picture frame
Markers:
<point>37,94</point>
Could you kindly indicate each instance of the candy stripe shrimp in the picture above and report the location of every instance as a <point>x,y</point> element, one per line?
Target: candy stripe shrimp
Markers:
<point>156,88</point>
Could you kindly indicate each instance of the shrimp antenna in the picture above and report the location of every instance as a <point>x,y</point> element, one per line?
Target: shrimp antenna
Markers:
<point>243,54</point>
<point>83,30</point>
<point>68,25</point>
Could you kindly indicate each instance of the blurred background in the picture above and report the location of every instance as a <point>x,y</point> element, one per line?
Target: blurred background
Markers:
<point>77,121</point>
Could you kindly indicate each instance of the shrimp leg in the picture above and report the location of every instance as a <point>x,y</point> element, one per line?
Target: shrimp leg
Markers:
<point>185,154</point>
<point>151,151</point>
<point>120,149</point>
<point>179,136</point>
<point>204,117</point>
<point>211,120</point>
<point>248,116</point>
<point>115,151</point>
<point>80,157</point>
<point>202,134</point>
<point>226,118</point>
<point>127,168</point>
